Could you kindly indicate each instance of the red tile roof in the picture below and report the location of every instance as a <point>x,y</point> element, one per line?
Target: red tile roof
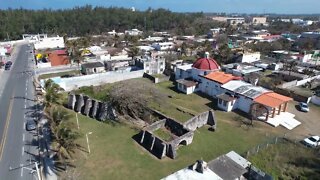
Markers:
<point>272,99</point>
<point>221,77</point>
<point>60,52</point>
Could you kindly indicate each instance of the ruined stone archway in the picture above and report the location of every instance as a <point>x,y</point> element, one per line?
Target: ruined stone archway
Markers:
<point>183,142</point>
<point>257,110</point>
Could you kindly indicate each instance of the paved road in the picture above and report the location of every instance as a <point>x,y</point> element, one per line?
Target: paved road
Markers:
<point>17,146</point>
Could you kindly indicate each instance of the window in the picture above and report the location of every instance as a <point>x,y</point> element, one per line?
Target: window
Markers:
<point>184,87</point>
<point>161,69</point>
<point>220,101</point>
<point>232,102</point>
<point>224,103</point>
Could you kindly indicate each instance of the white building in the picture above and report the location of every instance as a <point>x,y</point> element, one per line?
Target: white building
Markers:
<point>50,43</point>
<point>239,69</point>
<point>34,37</point>
<point>151,65</point>
<point>259,20</point>
<point>163,46</point>
<point>133,32</point>
<point>250,57</point>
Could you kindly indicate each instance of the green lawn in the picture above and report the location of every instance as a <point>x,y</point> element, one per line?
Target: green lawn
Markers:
<point>115,155</point>
<point>288,161</point>
<point>163,134</point>
<point>46,76</point>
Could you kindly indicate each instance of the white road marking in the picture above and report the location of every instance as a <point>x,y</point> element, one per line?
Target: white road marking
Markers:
<point>21,170</point>
<point>26,93</point>
<point>22,150</point>
<point>23,137</point>
<point>25,106</point>
<point>24,125</point>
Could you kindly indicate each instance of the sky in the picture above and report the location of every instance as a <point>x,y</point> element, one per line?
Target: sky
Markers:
<point>228,6</point>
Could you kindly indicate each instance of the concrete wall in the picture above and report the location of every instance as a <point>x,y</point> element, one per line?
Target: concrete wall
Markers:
<point>74,83</point>
<point>315,100</point>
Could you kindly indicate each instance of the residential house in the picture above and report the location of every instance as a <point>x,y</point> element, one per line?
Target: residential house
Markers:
<point>163,46</point>
<point>240,69</point>
<point>58,57</point>
<point>230,166</point>
<point>259,20</point>
<point>50,43</point>
<point>133,32</point>
<point>230,20</point>
<point>92,68</point>
<point>151,65</point>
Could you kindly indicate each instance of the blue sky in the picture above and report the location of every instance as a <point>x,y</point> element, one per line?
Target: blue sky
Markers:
<point>229,6</point>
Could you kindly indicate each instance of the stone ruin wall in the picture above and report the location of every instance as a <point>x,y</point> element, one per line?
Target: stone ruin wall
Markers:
<point>87,106</point>
<point>184,133</point>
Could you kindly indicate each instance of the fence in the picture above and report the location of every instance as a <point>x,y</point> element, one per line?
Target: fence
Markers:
<point>273,141</point>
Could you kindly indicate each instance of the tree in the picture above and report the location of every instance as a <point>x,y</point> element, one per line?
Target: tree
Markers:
<point>63,135</point>
<point>132,97</point>
<point>133,51</point>
<point>52,93</point>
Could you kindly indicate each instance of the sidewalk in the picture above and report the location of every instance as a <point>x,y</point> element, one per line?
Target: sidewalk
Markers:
<point>47,161</point>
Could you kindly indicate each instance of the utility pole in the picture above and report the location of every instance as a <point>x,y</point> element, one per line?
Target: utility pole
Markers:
<point>88,141</point>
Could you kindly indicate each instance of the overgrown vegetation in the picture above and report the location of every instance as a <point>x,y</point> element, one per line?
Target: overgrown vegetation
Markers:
<point>288,161</point>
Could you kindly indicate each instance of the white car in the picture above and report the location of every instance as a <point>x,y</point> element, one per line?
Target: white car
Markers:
<point>313,141</point>
<point>303,107</point>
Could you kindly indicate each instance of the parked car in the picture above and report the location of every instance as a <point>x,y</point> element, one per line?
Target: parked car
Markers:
<point>7,66</point>
<point>31,125</point>
<point>303,107</point>
<point>313,141</point>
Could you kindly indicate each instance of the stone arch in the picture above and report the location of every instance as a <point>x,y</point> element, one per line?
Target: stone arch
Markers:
<point>183,142</point>
<point>257,110</point>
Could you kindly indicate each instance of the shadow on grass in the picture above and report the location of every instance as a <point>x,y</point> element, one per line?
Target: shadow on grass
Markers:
<point>154,152</point>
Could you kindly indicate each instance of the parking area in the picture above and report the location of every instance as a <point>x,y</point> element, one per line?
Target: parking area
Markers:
<point>310,121</point>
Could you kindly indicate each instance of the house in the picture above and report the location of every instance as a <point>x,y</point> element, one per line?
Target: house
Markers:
<point>151,65</point>
<point>248,57</point>
<point>230,20</point>
<point>49,43</point>
<point>133,32</point>
<point>34,37</point>
<point>238,94</point>
<point>92,68</point>
<point>58,57</point>
<point>230,166</point>
<point>240,69</point>
<point>259,20</point>
<point>163,46</point>
<point>194,72</point>
<point>186,86</point>
<point>211,83</point>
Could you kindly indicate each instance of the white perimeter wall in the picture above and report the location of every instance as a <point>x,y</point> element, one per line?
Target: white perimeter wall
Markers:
<point>73,83</point>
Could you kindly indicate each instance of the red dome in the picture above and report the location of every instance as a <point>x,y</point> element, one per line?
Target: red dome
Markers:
<point>206,64</point>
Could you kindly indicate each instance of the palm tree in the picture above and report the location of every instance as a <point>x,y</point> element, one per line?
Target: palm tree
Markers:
<point>63,135</point>
<point>52,93</point>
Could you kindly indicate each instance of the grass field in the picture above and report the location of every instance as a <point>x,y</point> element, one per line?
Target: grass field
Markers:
<point>115,155</point>
<point>163,134</point>
<point>46,76</point>
<point>288,161</point>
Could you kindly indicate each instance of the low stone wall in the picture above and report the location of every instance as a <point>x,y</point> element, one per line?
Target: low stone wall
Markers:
<point>200,120</point>
<point>101,111</point>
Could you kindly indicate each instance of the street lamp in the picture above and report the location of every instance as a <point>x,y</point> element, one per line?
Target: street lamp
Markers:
<point>88,141</point>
